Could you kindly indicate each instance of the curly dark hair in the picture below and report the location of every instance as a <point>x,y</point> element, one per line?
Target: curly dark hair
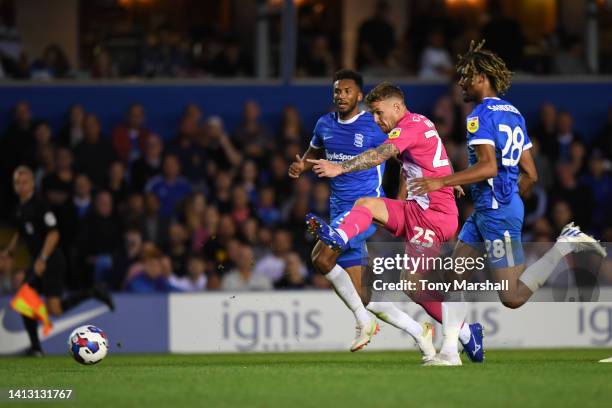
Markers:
<point>482,61</point>
<point>349,74</point>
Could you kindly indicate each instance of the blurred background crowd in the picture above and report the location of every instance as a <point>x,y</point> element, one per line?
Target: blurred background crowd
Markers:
<point>249,38</point>
<point>203,209</point>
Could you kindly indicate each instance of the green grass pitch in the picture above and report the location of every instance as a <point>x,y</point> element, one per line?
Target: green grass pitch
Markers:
<point>532,378</point>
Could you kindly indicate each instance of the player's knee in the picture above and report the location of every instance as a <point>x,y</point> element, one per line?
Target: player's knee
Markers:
<point>512,304</point>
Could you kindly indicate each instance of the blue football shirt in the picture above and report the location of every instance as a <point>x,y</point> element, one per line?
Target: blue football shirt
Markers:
<point>497,123</point>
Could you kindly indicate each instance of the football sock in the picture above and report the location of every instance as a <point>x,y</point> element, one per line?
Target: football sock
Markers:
<point>31,327</point>
<point>535,276</point>
<point>356,221</point>
<point>389,313</point>
<point>453,316</point>
<point>342,283</point>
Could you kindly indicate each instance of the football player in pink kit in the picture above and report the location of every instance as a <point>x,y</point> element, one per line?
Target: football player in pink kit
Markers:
<point>425,221</point>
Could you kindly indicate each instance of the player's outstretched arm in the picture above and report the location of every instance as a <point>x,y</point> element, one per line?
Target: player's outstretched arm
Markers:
<point>302,164</point>
<point>485,167</point>
<point>366,160</point>
<point>529,173</point>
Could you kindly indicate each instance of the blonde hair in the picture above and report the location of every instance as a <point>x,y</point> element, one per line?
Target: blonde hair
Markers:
<point>482,61</point>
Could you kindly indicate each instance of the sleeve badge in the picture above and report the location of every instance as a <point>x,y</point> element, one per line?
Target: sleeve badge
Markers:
<point>395,133</point>
<point>472,124</point>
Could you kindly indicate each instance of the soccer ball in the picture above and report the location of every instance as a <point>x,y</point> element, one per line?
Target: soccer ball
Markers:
<point>88,344</point>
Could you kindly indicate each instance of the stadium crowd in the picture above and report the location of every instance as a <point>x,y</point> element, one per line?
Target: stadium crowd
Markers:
<point>207,210</point>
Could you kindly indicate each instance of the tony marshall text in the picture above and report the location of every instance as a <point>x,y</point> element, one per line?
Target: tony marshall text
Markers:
<point>424,284</point>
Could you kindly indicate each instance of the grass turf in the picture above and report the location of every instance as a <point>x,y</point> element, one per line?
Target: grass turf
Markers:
<point>531,378</point>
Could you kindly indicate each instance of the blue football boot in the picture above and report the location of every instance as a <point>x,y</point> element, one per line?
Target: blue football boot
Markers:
<point>474,348</point>
<point>326,233</point>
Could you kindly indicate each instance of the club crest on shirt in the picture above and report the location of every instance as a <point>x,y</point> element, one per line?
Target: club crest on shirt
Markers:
<point>358,140</point>
<point>395,133</point>
<point>472,124</point>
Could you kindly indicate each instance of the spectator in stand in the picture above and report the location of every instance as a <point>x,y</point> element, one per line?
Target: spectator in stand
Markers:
<point>98,240</point>
<point>73,131</point>
<point>218,146</point>
<point>561,214</point>
<point>82,195</point>
<point>376,38</point>
<point>177,248</point>
<point>151,274</point>
<point>436,62</point>
<point>94,154</point>
<point>125,257</point>
<point>103,65</point>
<point>134,210</point>
<point>599,181</point>
<point>557,148</point>
<point>170,187</point>
<point>231,61</point>
<point>190,153</point>
<point>194,214</point>
<point>292,278</point>
<point>291,129</point>
<point>243,278</point>
<point>249,179</point>
<point>604,141</point>
<point>241,209</point>
<point>278,176</point>
<point>117,185</point>
<point>46,165</point>
<point>273,264</point>
<point>320,199</point>
<point>571,60</point>
<point>149,165</point>
<point>318,61</point>
<point>578,197</point>
<point>216,248</point>
<point>546,129</point>
<point>543,166</point>
<point>18,145</point>
<point>267,211</point>
<point>251,137</point>
<point>153,225</point>
<point>53,64</point>
<point>222,194</point>
<point>129,138</point>
<point>195,280</point>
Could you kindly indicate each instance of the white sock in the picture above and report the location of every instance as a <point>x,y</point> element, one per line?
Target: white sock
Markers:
<point>342,283</point>
<point>465,333</point>
<point>389,313</point>
<point>453,316</point>
<point>535,276</point>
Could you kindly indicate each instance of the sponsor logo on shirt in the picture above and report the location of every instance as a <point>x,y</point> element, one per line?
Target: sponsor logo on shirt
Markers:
<point>395,133</point>
<point>338,157</point>
<point>472,124</point>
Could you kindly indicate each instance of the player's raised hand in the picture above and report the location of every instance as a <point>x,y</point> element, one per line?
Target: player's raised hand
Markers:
<point>424,185</point>
<point>325,168</point>
<point>297,167</point>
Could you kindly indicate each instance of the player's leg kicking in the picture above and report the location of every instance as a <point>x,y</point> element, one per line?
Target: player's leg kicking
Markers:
<point>391,214</point>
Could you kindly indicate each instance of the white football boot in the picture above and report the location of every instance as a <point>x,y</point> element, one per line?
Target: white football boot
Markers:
<point>425,344</point>
<point>579,241</point>
<point>445,360</point>
<point>364,334</point>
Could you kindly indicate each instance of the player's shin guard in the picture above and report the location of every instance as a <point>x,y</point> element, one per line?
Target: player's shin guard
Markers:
<point>343,285</point>
<point>454,312</point>
<point>356,221</point>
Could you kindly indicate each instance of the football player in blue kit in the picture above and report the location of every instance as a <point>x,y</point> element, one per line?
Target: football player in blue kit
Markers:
<point>501,169</point>
<point>339,136</point>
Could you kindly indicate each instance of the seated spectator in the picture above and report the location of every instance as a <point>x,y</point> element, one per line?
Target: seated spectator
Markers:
<point>558,148</point>
<point>560,214</point>
<point>231,61</point>
<point>241,209</point>
<point>195,213</point>
<point>117,184</point>
<point>98,239</point>
<point>320,199</point>
<point>129,138</point>
<point>195,280</point>
<point>43,136</point>
<point>82,195</point>
<point>149,165</point>
<point>221,196</point>
<point>599,181</point>
<point>272,265</point>
<point>267,211</point>
<point>376,38</point>
<point>249,179</point>
<point>190,153</point>
<point>436,62</point>
<point>134,210</point>
<point>251,136</point>
<point>153,225</point>
<point>171,188</point>
<point>94,154</point>
<point>124,258</point>
<point>318,61</point>
<point>545,130</point>
<point>218,146</point>
<point>571,59</point>
<point>73,131</point>
<point>292,278</point>
<point>242,278</point>
<point>291,128</point>
<point>578,197</point>
<point>52,65</point>
<point>177,248</point>
<point>151,274</point>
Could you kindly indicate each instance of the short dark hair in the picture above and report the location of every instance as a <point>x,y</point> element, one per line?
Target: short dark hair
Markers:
<point>349,74</point>
<point>382,91</point>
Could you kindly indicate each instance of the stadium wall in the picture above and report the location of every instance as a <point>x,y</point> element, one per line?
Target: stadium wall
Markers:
<point>587,100</point>
<point>297,321</point>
